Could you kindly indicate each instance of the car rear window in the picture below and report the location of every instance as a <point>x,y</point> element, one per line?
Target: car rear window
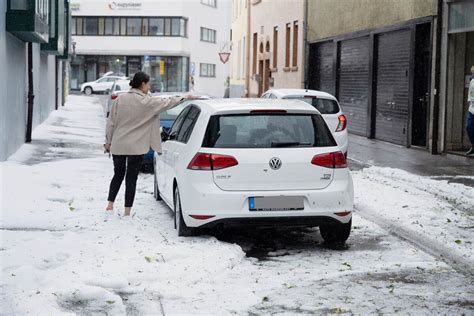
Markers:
<point>324,106</point>
<point>267,131</point>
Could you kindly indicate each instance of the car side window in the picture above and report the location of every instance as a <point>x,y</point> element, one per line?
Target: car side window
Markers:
<point>177,123</point>
<point>188,125</point>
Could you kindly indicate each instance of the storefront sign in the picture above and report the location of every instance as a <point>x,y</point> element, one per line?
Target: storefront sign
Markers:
<point>75,6</point>
<point>162,67</point>
<point>125,5</point>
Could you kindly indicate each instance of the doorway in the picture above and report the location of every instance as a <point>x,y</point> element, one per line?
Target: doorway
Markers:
<point>421,88</point>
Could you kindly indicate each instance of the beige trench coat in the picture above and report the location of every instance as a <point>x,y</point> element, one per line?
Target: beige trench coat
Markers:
<point>133,126</point>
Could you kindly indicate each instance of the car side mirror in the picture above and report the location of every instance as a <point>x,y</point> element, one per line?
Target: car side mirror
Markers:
<point>172,135</point>
<point>107,91</point>
<point>164,134</point>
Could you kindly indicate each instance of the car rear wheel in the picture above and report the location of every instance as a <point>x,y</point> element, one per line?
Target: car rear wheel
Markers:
<point>156,191</point>
<point>88,90</point>
<point>335,233</point>
<point>179,224</point>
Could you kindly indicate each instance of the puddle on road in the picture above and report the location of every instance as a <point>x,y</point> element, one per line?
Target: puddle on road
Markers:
<point>268,244</point>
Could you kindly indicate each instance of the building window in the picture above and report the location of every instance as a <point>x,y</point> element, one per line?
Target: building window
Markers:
<point>116,29</point>
<point>144,26</point>
<point>208,35</point>
<point>275,47</point>
<point>123,26</point>
<point>73,26</point>
<point>80,26</point>
<point>91,26</point>
<point>287,45</point>
<point>254,54</point>
<point>134,26</point>
<point>130,26</point>
<point>207,70</point>
<point>157,27</point>
<point>175,25</point>
<point>295,44</point>
<point>101,26</point>
<point>211,3</point>
<point>109,26</point>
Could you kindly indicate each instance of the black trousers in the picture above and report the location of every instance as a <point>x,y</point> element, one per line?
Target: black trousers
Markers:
<point>126,167</point>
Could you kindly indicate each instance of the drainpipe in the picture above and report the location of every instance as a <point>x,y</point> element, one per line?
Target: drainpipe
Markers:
<point>437,79</point>
<point>31,96</point>
<point>247,57</point>
<point>306,45</point>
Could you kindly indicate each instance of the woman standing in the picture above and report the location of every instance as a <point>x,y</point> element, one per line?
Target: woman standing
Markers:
<point>133,127</point>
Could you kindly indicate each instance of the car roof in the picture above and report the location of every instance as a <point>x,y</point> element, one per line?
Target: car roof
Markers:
<point>235,105</point>
<point>315,93</point>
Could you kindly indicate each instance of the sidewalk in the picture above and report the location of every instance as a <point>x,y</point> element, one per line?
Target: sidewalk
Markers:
<point>364,152</point>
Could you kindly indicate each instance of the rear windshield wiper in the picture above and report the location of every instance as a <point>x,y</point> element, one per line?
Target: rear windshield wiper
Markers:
<point>289,144</point>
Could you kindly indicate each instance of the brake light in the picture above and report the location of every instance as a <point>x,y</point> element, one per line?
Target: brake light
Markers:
<point>113,96</point>
<point>342,123</point>
<point>203,161</point>
<point>268,111</point>
<point>330,160</point>
<point>342,214</point>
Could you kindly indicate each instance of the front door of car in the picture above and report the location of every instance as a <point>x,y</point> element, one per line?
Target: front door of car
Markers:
<point>184,134</point>
<point>165,177</point>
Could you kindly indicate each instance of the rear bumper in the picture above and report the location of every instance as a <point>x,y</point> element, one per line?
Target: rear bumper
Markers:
<point>273,222</point>
<point>232,207</point>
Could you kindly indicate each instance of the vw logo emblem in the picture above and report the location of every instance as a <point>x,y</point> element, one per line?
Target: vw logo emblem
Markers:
<point>275,163</point>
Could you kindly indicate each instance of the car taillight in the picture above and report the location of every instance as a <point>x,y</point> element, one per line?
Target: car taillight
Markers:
<point>330,160</point>
<point>203,161</point>
<point>114,96</point>
<point>342,123</point>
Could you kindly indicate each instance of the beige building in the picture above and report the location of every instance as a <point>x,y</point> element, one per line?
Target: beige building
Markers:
<point>239,55</point>
<point>277,47</point>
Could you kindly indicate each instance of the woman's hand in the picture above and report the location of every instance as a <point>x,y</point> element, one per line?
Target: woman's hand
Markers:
<point>191,96</point>
<point>106,148</point>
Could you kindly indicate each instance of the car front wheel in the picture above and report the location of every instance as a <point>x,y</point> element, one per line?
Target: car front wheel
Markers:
<point>179,224</point>
<point>88,90</point>
<point>335,233</point>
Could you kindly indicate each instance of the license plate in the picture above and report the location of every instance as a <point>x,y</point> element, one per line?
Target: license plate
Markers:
<point>276,203</point>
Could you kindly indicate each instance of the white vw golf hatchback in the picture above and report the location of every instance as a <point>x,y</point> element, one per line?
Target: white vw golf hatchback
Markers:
<point>254,162</point>
<point>325,103</point>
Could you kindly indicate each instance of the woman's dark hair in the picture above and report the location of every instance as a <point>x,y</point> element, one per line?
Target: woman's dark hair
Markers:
<point>139,78</point>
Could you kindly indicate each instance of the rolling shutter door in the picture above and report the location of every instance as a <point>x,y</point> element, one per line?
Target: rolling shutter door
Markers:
<point>324,67</point>
<point>393,71</point>
<point>354,83</point>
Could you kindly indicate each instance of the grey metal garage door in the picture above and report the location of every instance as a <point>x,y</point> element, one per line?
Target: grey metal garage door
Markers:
<point>392,94</point>
<point>354,83</point>
<point>323,67</point>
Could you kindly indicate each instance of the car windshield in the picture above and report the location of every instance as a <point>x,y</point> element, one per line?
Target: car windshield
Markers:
<point>173,113</point>
<point>267,131</point>
<point>324,106</point>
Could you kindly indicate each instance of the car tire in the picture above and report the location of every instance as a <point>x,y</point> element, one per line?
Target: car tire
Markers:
<point>335,233</point>
<point>156,191</point>
<point>179,224</point>
<point>88,90</point>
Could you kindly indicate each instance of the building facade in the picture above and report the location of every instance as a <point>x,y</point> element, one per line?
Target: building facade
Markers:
<point>457,58</point>
<point>176,42</point>
<point>378,59</point>
<point>239,72</point>
<point>276,45</point>
<point>34,47</point>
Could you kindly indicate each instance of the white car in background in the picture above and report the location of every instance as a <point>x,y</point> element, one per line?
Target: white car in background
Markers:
<point>254,162</point>
<point>101,85</point>
<point>325,103</point>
